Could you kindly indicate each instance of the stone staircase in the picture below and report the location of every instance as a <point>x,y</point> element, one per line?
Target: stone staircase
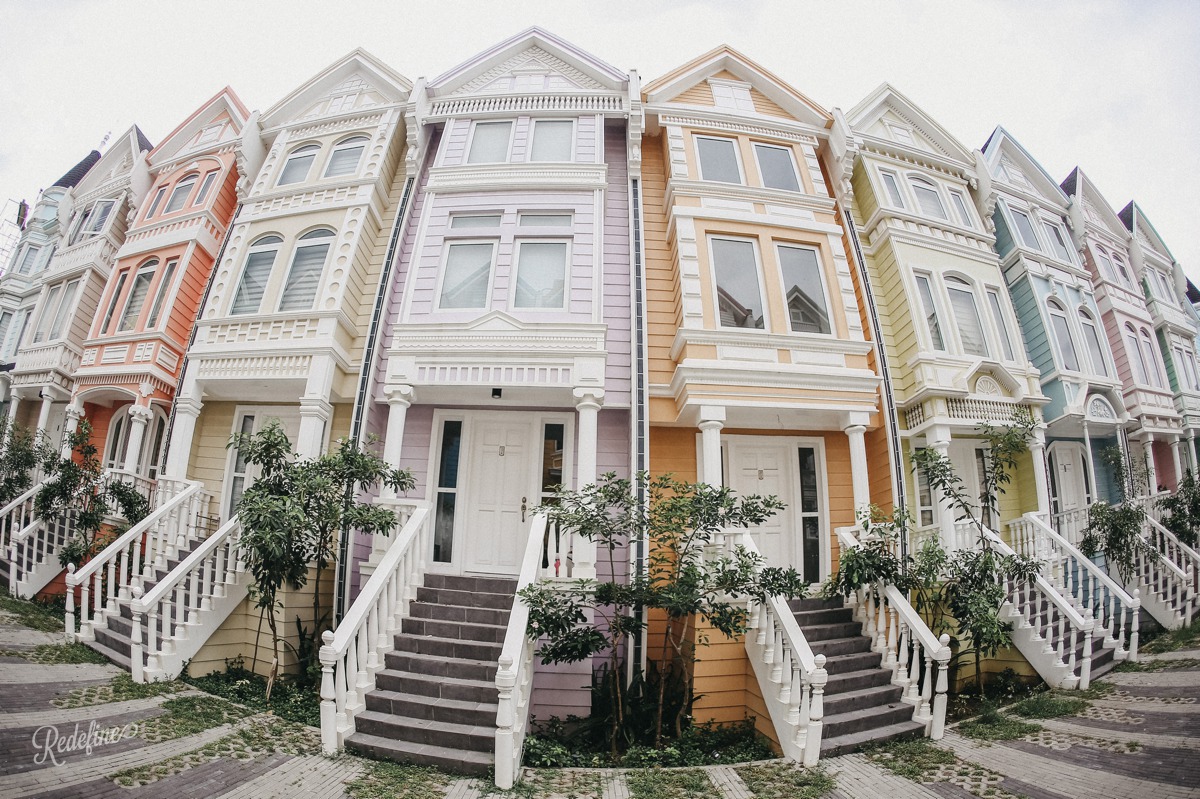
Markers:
<point>862,705</point>
<point>435,699</point>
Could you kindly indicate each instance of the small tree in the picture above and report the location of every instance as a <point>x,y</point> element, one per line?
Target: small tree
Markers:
<point>20,457</point>
<point>292,514</point>
<point>1182,510</point>
<point>1116,530</point>
<point>684,580</point>
<point>76,489</point>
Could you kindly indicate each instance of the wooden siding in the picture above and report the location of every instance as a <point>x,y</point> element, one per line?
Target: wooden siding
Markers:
<point>1033,331</point>
<point>209,457</point>
<point>617,278</point>
<point>662,281</point>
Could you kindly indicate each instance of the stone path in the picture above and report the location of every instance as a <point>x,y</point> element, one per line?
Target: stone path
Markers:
<point>1142,741</point>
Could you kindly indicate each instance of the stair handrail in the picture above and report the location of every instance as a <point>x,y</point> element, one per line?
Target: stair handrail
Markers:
<point>177,600</point>
<point>791,676</point>
<point>22,509</point>
<point>354,652</point>
<point>1100,607</point>
<point>1188,558</point>
<point>895,626</point>
<point>1175,586</point>
<point>514,677</point>
<point>1027,608</point>
<point>110,575</point>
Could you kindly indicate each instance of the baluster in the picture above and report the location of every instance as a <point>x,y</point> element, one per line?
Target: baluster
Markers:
<point>881,625</point>
<point>914,675</point>
<point>927,686</point>
<point>900,671</point>
<point>816,711</point>
<point>98,596</point>
<point>329,735</point>
<point>1133,625</point>
<point>352,677</point>
<point>123,586</point>
<point>938,722</point>
<point>506,718</point>
<point>777,656</point>
<point>1071,636</point>
<point>342,694</point>
<point>795,694</point>
<point>153,637</point>
<point>373,641</point>
<point>363,640</point>
<point>136,662</point>
<point>1085,671</point>
<point>69,621</point>
<point>889,660</point>
<point>206,591</point>
<point>766,634</point>
<point>785,676</point>
<point>383,634</point>
<point>168,630</point>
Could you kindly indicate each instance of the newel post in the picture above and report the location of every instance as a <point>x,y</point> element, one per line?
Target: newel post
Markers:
<point>329,732</point>
<point>816,710</point>
<point>1134,610</point>
<point>506,717</point>
<point>69,622</point>
<point>136,664</point>
<point>937,726</point>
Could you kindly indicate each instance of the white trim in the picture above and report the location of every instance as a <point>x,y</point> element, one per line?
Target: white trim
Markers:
<point>737,158</point>
<point>470,142</point>
<point>518,244</point>
<point>754,145</point>
<point>571,141</point>
<point>441,275</point>
<point>712,281</point>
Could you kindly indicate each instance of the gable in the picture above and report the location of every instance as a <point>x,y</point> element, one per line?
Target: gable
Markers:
<point>359,81</point>
<point>1011,164</point>
<point>533,69</point>
<point>218,121</point>
<point>355,93</point>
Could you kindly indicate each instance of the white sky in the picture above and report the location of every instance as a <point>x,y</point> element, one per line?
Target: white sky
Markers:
<point>1113,87</point>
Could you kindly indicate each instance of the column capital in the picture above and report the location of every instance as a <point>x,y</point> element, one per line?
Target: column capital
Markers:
<point>188,406</point>
<point>399,394</point>
<point>585,397</point>
<point>75,410</point>
<point>855,419</point>
<point>712,413</point>
<point>140,414</point>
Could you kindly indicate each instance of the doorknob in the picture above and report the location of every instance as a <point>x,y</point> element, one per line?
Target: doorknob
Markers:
<point>523,501</point>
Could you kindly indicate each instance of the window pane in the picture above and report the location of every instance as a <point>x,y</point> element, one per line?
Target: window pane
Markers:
<point>553,438</point>
<point>545,220</point>
<point>1106,266</point>
<point>809,496</point>
<point>1095,350</point>
<point>451,441</point>
<point>1057,242</point>
<point>157,199</point>
<point>718,160</point>
<point>1066,345</point>
<point>459,222</point>
<point>64,308</point>
<point>28,259</point>
<point>468,268</point>
<point>164,286</point>
<point>775,164</point>
<point>551,141</point>
<point>344,160</point>
<point>204,187</point>
<point>1025,228</point>
<point>893,189</point>
<point>47,314</point>
<point>137,296</point>
<point>297,166</point>
<point>1151,361</point>
<point>928,199</point>
<point>966,316</point>
<point>925,504</point>
<point>179,196</point>
<point>931,318</point>
<point>541,275</point>
<point>99,216</point>
<point>998,318</point>
<point>302,280</point>
<point>739,294</point>
<point>961,206</point>
<point>804,289</point>
<point>489,143</point>
<point>1135,357</point>
<point>253,283</point>
<point>5,324</point>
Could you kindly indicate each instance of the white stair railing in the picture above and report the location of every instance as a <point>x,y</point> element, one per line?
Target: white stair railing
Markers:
<point>352,654</point>
<point>514,678</point>
<point>33,553</point>
<point>16,516</point>
<point>1075,575</point>
<point>129,561</point>
<point>186,606</point>
<point>1170,579</point>
<point>918,658</point>
<point>1047,628</point>
<point>1071,525</point>
<point>791,678</point>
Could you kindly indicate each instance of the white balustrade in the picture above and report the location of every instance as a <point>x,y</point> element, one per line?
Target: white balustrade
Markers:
<point>1071,525</point>
<point>352,654</point>
<point>1171,576</point>
<point>514,678</point>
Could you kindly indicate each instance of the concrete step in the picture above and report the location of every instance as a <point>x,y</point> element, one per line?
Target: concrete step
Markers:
<point>866,719</point>
<point>825,632</point>
<point>435,666</point>
<point>455,761</point>
<point>861,699</point>
<point>469,737</point>
<point>471,599</point>
<point>852,742</point>
<point>448,647</point>
<point>806,618</point>
<point>118,658</point>
<point>487,585</point>
<point>833,647</point>
<point>483,633</point>
<point>430,610</point>
<point>859,661</point>
<point>815,603</point>
<point>424,707</point>
<point>435,687</point>
<point>857,680</point>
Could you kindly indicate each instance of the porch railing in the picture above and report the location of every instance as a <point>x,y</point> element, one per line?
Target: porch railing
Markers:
<point>1172,575</point>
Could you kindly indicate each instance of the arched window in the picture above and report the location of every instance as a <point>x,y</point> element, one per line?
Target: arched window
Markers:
<point>966,316</point>
<point>1091,339</point>
<point>1137,363</point>
<point>1106,266</point>
<point>928,197</point>
<point>137,296</point>
<point>1068,357</point>
<point>250,289</point>
<point>295,169</point>
<point>345,157</point>
<point>305,274</point>
<point>1151,362</point>
<point>179,194</point>
<point>150,449</point>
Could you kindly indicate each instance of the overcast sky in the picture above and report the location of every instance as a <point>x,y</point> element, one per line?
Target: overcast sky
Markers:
<point>1113,87</point>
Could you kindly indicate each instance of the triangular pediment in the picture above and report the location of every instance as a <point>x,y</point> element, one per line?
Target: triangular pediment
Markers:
<point>889,116</point>
<point>358,81</point>
<point>216,122</point>
<point>1096,209</point>
<point>122,153</point>
<point>725,79</point>
<point>1139,225</point>
<point>533,60</point>
<point>496,322</point>
<point>1012,166</point>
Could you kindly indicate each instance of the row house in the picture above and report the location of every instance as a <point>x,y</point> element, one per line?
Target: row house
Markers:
<point>953,347</point>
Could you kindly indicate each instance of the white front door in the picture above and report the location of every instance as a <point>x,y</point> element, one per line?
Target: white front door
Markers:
<point>498,493</point>
<point>792,470</point>
<point>1070,477</point>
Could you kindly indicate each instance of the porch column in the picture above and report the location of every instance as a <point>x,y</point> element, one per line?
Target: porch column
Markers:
<point>1037,452</point>
<point>1151,474</point>
<point>179,451</point>
<point>712,420</point>
<point>315,413</point>
<point>1176,444</point>
<point>939,441</point>
<point>44,413</point>
<point>1192,460</point>
<point>587,409</point>
<point>398,399</point>
<point>74,414</point>
<point>11,421</point>
<point>1088,462</point>
<point>856,433</point>
<point>139,418</point>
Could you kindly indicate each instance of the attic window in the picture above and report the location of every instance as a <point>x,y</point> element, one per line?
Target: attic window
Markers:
<point>342,102</point>
<point>210,134</point>
<point>900,134</point>
<point>734,96</point>
<point>530,81</point>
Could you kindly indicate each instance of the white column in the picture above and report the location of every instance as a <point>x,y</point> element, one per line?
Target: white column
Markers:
<point>1176,444</point>
<point>587,408</point>
<point>315,414</point>
<point>1037,453</point>
<point>74,414</point>
<point>939,441</point>
<point>856,433</point>
<point>13,404</point>
<point>1088,463</point>
<point>712,420</point>
<point>139,418</point>
<point>398,399</point>
<point>183,429</point>
<point>1151,474</point>
<point>44,414</point>
<point>1192,460</point>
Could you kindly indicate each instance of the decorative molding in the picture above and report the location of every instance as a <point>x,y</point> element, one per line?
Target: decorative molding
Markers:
<point>546,61</point>
<point>484,177</point>
<point>722,122</point>
<point>533,103</point>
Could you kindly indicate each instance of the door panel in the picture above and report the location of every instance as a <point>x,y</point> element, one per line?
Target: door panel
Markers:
<point>499,481</point>
<point>765,470</point>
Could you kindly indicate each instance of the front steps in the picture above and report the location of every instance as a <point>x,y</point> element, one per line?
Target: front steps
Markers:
<point>862,705</point>
<point>435,700</point>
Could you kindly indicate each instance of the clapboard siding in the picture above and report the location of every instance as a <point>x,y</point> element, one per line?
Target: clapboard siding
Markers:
<point>454,147</point>
<point>617,310</point>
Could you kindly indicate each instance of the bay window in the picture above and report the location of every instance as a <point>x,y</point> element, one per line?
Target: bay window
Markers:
<point>304,277</point>
<point>739,287</point>
<point>966,317</point>
<point>803,289</point>
<point>718,159</point>
<point>253,283</point>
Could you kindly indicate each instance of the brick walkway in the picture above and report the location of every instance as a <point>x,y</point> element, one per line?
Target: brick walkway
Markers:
<point>1140,742</point>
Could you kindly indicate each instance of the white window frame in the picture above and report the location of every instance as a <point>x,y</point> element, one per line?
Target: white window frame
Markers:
<point>961,284</point>
<point>84,227</point>
<point>341,103</point>
<point>526,215</point>
<point>118,287</point>
<point>762,289</point>
<point>157,201</point>
<point>1150,346</point>
<point>456,219</point>
<point>959,201</point>
<point>899,133</point>
<point>824,284</point>
<point>996,306</point>
<point>471,141</point>
<point>349,143</point>
<point>161,293</point>
<point>895,196</point>
<point>1020,237</point>
<point>732,95</point>
<point>206,184</point>
<point>931,296</point>
<point>1133,343</point>
<point>289,417</point>
<point>12,341</point>
<point>1108,272</point>
<point>1053,229</point>
<point>307,240</point>
<point>791,156</point>
<point>737,160</point>
<point>259,245</point>
<point>516,265</point>
<point>303,151</point>
<point>28,258</point>
<point>188,183</point>
<point>209,134</point>
<point>145,270</point>
<point>915,181</point>
<point>1054,309</point>
<point>445,259</point>
<point>571,141</point>
<point>932,507</point>
<point>1086,320</point>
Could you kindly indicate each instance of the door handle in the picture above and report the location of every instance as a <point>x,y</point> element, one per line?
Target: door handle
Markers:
<point>523,501</point>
